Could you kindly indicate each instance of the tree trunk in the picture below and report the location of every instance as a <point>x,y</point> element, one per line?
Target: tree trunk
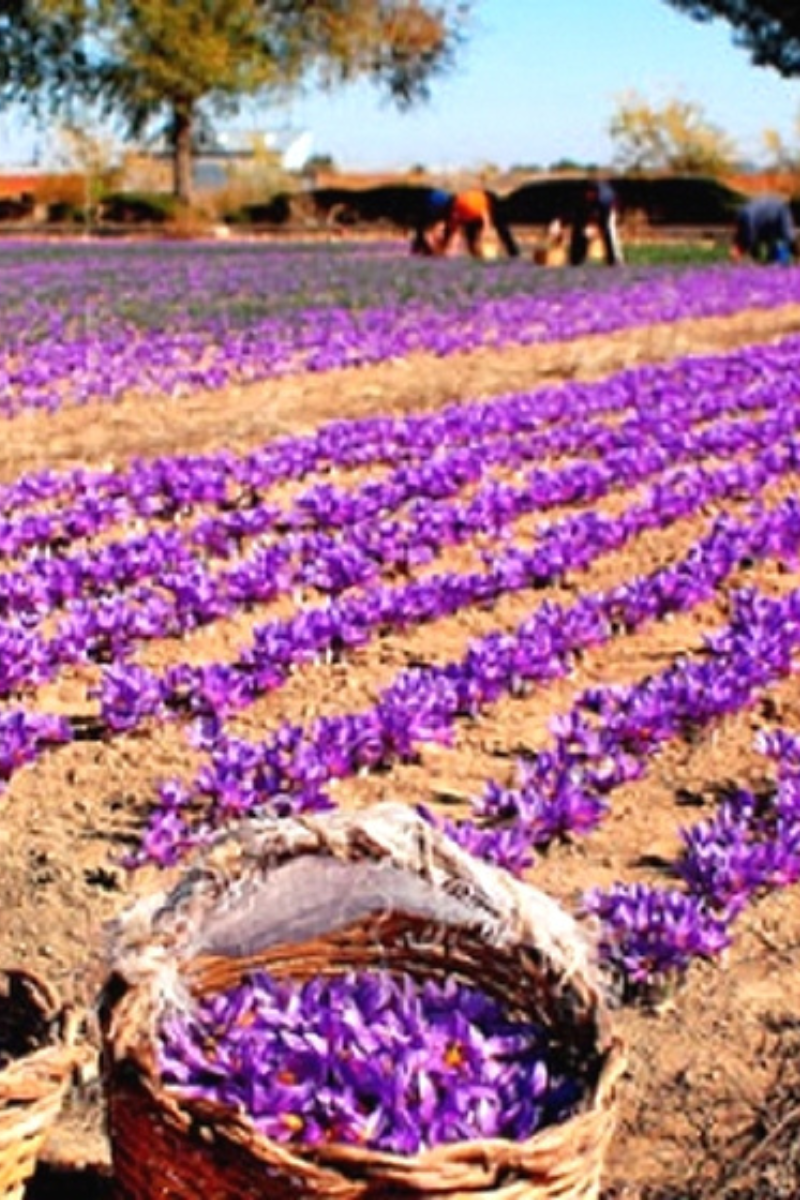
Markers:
<point>182,153</point>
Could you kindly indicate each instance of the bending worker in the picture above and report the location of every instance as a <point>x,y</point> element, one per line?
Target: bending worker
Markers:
<point>473,214</point>
<point>597,207</point>
<point>765,231</point>
<point>432,213</point>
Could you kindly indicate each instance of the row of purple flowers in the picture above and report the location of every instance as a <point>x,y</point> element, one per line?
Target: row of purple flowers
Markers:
<point>334,539</point>
<point>293,768</point>
<point>112,626</point>
<point>91,326</point>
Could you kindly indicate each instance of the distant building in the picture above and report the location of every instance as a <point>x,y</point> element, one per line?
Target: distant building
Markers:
<point>15,186</point>
<point>237,158</point>
<point>27,195</point>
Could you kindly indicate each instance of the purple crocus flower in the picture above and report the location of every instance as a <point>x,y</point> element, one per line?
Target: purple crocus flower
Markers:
<point>368,1058</point>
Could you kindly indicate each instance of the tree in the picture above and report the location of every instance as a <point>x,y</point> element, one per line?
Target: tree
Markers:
<point>769,30</point>
<point>318,163</point>
<point>674,137</point>
<point>183,63</point>
<point>93,154</point>
<point>566,164</point>
<point>41,51</point>
<point>783,157</point>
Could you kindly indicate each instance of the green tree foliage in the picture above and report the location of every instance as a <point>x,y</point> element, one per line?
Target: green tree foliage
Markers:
<point>181,64</point>
<point>769,30</point>
<point>319,162</point>
<point>41,51</point>
<point>675,136</point>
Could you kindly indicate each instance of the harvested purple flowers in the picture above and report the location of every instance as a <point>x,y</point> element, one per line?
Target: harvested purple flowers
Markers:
<point>368,1058</point>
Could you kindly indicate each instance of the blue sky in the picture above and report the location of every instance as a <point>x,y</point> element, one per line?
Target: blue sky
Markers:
<point>538,82</point>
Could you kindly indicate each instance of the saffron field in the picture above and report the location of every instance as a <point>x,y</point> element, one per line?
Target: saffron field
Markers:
<point>291,528</point>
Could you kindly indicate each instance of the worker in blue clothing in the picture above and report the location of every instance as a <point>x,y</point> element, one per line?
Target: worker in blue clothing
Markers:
<point>597,207</point>
<point>765,231</point>
<point>432,213</point>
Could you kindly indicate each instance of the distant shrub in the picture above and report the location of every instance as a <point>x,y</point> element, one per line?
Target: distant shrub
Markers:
<point>681,199</point>
<point>16,208</point>
<point>400,205</point>
<point>669,200</point>
<point>139,208</point>
<point>65,212</point>
<point>275,211</point>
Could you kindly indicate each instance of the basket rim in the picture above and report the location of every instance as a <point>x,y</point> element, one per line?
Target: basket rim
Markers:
<point>157,931</point>
<point>41,989</point>
<point>62,1052</point>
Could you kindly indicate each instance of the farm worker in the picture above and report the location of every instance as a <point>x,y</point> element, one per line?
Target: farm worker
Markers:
<point>474,214</point>
<point>765,231</point>
<point>434,207</point>
<point>597,207</point>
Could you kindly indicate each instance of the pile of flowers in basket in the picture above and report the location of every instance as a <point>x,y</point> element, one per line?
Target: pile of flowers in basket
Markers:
<point>368,1058</point>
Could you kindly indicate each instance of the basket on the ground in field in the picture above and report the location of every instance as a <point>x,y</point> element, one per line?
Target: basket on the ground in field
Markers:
<point>307,897</point>
<point>37,1058</point>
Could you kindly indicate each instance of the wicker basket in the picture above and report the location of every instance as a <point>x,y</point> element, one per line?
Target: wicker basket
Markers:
<point>321,896</point>
<point>37,1058</point>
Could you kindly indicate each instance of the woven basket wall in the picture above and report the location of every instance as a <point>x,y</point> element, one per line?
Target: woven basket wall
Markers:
<point>166,1147</point>
<point>37,1058</point>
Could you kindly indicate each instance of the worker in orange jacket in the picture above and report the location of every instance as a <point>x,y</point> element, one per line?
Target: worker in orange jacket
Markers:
<point>473,214</point>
